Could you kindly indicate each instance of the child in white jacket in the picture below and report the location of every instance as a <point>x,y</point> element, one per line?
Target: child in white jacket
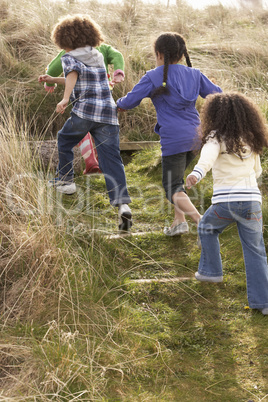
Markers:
<point>233,137</point>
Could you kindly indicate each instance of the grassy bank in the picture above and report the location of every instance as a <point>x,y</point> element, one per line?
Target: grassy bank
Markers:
<point>88,317</point>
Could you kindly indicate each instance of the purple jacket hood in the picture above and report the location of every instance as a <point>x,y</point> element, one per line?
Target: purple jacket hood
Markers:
<point>184,85</point>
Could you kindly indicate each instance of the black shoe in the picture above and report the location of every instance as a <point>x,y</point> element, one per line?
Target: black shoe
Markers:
<point>125,218</point>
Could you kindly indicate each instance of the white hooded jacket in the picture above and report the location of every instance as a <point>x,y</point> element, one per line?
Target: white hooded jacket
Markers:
<point>233,179</point>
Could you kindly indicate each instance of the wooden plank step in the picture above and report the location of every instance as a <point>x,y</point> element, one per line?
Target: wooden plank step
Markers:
<point>137,145</point>
<point>47,151</point>
<point>162,280</point>
<point>130,234</point>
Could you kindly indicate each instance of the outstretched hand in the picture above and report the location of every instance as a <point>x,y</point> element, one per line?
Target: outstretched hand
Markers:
<point>117,78</point>
<point>61,106</point>
<point>46,78</point>
<point>191,180</point>
<point>49,89</point>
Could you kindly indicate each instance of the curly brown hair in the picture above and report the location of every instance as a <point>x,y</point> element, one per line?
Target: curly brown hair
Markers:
<point>76,31</point>
<point>173,46</point>
<point>236,120</point>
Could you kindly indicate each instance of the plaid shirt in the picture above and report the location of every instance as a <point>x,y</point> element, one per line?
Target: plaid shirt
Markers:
<point>91,96</point>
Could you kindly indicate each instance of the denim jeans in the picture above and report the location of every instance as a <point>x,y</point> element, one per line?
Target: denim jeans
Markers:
<point>248,217</point>
<point>173,170</point>
<point>106,137</point>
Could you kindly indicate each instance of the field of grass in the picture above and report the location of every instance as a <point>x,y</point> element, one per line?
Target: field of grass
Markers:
<point>90,317</point>
<point>228,45</point>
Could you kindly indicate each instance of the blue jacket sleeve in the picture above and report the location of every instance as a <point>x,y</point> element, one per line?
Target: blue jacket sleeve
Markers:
<point>207,87</point>
<point>133,98</point>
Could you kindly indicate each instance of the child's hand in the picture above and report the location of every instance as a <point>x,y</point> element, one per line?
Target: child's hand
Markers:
<point>61,106</point>
<point>191,180</point>
<point>118,78</point>
<point>45,78</point>
<point>49,89</point>
<point>120,109</point>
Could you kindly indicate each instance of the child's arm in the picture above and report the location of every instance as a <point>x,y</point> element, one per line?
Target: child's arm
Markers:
<point>54,69</point>
<point>257,166</point>
<point>142,90</point>
<point>51,80</point>
<point>208,156</point>
<point>115,58</point>
<point>207,87</point>
<point>69,86</point>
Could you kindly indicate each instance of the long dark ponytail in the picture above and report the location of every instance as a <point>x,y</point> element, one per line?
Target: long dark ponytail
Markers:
<point>173,47</point>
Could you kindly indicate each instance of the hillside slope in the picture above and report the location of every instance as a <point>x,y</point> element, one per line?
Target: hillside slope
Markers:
<point>90,316</point>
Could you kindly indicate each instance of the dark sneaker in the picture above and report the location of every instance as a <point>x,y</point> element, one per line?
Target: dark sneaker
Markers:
<point>65,187</point>
<point>125,218</point>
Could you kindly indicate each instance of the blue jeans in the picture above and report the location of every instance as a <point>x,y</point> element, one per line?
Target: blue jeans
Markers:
<point>248,217</point>
<point>106,137</point>
<point>173,170</point>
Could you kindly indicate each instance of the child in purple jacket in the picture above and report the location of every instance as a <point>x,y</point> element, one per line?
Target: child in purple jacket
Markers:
<point>174,89</point>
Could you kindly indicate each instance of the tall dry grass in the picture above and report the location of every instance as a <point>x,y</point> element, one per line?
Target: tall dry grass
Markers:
<point>228,45</point>
<point>47,281</point>
<point>64,330</point>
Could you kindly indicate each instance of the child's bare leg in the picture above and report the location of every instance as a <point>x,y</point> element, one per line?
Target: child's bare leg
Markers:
<point>182,206</point>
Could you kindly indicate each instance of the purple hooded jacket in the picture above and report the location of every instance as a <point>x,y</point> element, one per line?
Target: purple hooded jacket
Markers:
<point>177,117</point>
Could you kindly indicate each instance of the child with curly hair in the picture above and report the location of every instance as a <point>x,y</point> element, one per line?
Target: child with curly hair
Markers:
<point>111,57</point>
<point>174,89</point>
<point>94,110</point>
<point>233,137</point>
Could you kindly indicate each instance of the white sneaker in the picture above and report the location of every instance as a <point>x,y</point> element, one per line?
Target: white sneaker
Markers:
<point>204,278</point>
<point>61,186</point>
<point>265,311</point>
<point>125,217</point>
<point>179,229</point>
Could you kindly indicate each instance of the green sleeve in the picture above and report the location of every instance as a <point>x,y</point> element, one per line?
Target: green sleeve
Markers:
<point>55,67</point>
<point>112,56</point>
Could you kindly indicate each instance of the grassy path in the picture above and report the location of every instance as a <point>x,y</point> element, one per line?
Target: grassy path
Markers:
<point>192,341</point>
<point>121,318</point>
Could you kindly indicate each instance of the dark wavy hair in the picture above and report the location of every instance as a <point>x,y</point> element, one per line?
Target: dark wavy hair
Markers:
<point>236,120</point>
<point>173,46</point>
<point>76,31</point>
